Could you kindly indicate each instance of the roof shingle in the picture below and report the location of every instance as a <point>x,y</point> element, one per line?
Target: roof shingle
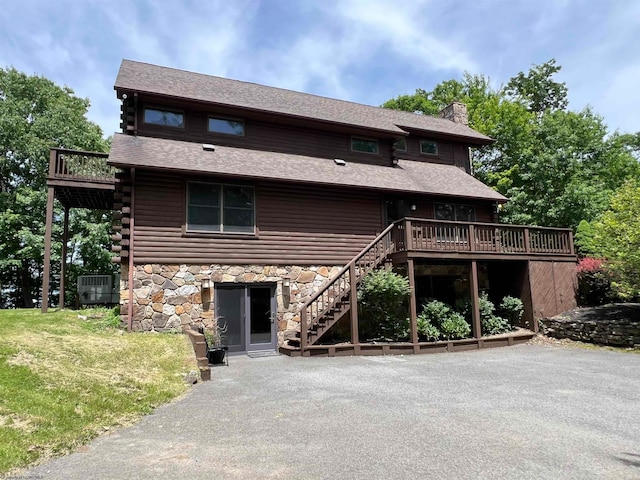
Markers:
<point>144,77</point>
<point>189,157</point>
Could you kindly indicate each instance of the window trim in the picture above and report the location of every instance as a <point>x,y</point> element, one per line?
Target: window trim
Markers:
<point>406,146</point>
<point>366,139</point>
<point>222,232</point>
<point>454,205</point>
<point>164,109</point>
<point>437,152</point>
<point>224,117</point>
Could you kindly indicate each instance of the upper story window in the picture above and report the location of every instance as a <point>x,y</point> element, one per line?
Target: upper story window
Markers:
<point>428,147</point>
<point>365,145</point>
<point>452,211</point>
<point>213,207</point>
<point>400,145</point>
<point>167,118</point>
<point>226,125</point>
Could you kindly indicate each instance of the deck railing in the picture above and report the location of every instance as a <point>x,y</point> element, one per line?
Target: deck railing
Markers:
<point>80,166</point>
<point>446,236</point>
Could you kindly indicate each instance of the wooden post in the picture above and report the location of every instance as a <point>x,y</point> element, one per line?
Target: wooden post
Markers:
<point>63,261</point>
<point>303,329</point>
<point>408,235</point>
<point>353,308</point>
<point>47,248</point>
<point>131,265</point>
<point>571,247</point>
<point>472,238</point>
<point>527,242</point>
<point>475,301</point>
<point>413,307</point>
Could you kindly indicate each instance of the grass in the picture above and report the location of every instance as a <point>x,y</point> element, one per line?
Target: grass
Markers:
<point>65,380</point>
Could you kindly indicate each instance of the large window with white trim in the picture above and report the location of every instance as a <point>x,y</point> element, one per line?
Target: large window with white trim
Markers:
<point>213,207</point>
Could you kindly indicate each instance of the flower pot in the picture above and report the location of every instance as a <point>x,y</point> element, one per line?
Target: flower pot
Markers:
<point>216,355</point>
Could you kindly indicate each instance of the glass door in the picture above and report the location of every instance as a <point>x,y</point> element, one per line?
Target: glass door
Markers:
<point>249,314</point>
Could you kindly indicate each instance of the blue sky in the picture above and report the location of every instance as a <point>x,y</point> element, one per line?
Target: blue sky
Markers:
<point>365,51</point>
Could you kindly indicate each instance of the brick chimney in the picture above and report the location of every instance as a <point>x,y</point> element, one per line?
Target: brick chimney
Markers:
<point>456,112</point>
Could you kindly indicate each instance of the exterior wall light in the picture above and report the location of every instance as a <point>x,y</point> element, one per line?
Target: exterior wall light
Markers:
<point>206,283</point>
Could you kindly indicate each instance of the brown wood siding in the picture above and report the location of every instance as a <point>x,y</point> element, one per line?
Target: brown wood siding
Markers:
<point>296,225</point>
<point>552,287</point>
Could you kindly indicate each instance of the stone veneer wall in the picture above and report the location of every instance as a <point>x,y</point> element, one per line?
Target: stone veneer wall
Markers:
<point>170,297</point>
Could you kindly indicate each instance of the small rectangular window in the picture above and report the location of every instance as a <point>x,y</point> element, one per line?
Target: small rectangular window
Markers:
<point>458,213</point>
<point>428,147</point>
<point>166,118</point>
<point>364,145</point>
<point>220,208</point>
<point>401,145</point>
<point>226,126</point>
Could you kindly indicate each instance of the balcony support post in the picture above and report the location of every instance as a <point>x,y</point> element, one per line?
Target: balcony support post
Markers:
<point>476,327</point>
<point>353,308</point>
<point>413,307</point>
<point>63,260</point>
<point>47,248</point>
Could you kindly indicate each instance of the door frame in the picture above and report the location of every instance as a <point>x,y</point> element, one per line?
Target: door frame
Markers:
<point>245,326</point>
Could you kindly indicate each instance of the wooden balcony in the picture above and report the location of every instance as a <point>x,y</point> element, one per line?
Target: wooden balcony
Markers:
<point>82,179</point>
<point>425,238</point>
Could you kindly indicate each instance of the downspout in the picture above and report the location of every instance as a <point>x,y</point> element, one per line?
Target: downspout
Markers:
<point>131,234</point>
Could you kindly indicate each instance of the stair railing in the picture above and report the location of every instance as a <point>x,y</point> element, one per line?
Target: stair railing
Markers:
<point>340,287</point>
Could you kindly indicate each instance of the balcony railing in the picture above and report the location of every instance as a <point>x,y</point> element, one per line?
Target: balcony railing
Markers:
<point>80,166</point>
<point>445,236</point>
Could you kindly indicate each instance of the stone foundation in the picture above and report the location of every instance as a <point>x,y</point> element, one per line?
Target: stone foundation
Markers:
<point>170,297</point>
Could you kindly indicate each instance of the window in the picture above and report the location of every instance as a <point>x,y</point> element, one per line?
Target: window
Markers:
<point>458,213</point>
<point>364,145</point>
<point>226,126</point>
<point>166,118</point>
<point>428,147</point>
<point>220,208</point>
<point>400,145</point>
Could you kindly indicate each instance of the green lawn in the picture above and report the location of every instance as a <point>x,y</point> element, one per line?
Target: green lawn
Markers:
<point>64,380</point>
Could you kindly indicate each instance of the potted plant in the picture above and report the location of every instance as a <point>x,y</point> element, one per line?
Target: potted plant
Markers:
<point>216,348</point>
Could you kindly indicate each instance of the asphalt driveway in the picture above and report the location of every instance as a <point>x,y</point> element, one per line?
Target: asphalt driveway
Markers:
<point>519,412</point>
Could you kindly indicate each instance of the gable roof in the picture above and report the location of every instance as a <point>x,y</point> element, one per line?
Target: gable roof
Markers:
<point>154,79</point>
<point>190,157</point>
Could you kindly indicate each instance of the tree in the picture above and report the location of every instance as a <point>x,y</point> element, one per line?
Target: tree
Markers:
<point>616,238</point>
<point>557,167</point>
<point>35,115</point>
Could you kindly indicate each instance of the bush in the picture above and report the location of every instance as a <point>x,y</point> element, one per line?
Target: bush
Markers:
<point>490,323</point>
<point>594,283</point>
<point>512,309</point>
<point>438,320</point>
<point>382,305</point>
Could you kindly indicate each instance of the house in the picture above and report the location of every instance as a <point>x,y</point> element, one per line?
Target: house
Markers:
<point>259,206</point>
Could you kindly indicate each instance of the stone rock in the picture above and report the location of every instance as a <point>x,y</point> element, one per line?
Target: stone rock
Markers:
<point>147,324</point>
<point>158,296</point>
<point>124,294</point>
<point>138,313</point>
<point>194,269</point>
<point>148,269</point>
<point>249,277</point>
<point>178,281</point>
<point>158,279</point>
<point>174,322</point>
<point>228,278</point>
<point>168,309</point>
<point>159,320</point>
<point>169,293</point>
<point>180,274</point>
<point>177,300</point>
<point>136,327</point>
<point>167,274</point>
<point>144,301</point>
<point>188,277</point>
<point>179,309</point>
<point>207,314</point>
<point>156,269</point>
<point>324,271</point>
<point>282,324</point>
<point>185,319</point>
<point>142,292</point>
<point>169,285</point>
<point>306,277</point>
<point>235,271</point>
<point>137,283</point>
<point>187,307</point>
<point>216,277</point>
<point>157,307</point>
<point>186,290</point>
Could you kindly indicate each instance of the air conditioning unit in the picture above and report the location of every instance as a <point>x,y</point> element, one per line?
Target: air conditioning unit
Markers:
<point>95,289</point>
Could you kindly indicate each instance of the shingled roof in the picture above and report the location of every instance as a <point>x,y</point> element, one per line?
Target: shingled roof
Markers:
<point>153,79</point>
<point>190,157</point>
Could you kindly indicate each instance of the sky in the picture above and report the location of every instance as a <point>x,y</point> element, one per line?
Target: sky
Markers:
<point>365,51</point>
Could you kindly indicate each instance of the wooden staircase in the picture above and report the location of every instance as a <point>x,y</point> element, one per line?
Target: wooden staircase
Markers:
<point>339,296</point>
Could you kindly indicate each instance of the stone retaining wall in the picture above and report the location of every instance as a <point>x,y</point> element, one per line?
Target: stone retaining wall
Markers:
<point>170,297</point>
<point>609,325</point>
